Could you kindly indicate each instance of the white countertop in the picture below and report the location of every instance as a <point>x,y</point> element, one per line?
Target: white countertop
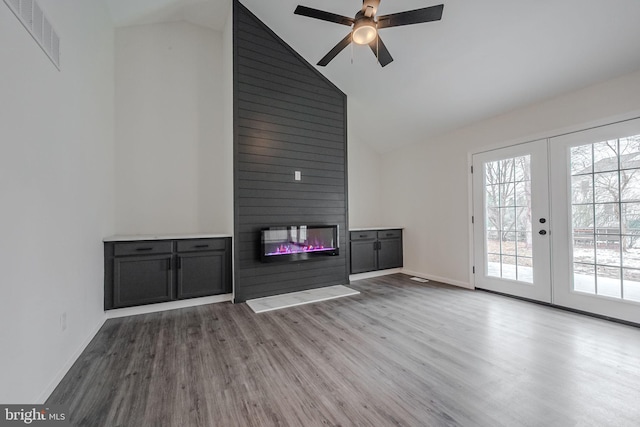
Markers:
<point>375,228</point>
<point>138,237</point>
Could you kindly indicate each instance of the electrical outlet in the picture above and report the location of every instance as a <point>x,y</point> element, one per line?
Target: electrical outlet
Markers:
<point>63,321</point>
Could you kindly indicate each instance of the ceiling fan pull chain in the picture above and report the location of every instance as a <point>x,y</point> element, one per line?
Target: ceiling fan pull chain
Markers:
<point>351,53</point>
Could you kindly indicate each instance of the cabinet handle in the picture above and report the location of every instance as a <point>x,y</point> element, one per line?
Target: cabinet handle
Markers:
<point>144,249</point>
<point>179,263</point>
<point>362,236</point>
<point>169,264</point>
<point>389,234</point>
<point>201,246</point>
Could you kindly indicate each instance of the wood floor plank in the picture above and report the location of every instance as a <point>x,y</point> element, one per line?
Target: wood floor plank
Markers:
<point>399,353</point>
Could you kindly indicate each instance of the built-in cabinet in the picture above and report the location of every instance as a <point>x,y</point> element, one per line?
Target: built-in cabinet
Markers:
<point>373,250</point>
<point>151,271</point>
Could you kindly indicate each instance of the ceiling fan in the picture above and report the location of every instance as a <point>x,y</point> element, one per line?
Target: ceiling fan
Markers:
<point>365,26</point>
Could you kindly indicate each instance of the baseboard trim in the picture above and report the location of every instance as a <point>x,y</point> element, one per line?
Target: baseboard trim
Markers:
<point>164,306</point>
<point>370,274</point>
<point>42,398</point>
<point>446,280</point>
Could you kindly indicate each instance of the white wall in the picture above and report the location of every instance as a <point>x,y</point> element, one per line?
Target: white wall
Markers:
<point>365,201</point>
<point>56,191</point>
<point>225,195</point>
<point>171,175</point>
<point>426,185</point>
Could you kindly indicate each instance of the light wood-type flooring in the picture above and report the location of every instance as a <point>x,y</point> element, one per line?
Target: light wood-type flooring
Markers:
<point>400,353</point>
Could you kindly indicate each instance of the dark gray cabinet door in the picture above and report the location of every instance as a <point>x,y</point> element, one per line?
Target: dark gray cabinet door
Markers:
<point>363,256</point>
<point>142,280</point>
<point>389,253</point>
<point>375,250</point>
<point>201,274</point>
<point>146,272</point>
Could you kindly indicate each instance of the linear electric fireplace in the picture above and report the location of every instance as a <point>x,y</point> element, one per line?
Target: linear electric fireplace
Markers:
<point>298,242</point>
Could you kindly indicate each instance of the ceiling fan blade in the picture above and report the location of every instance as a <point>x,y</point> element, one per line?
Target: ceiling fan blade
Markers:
<point>427,14</point>
<point>381,51</point>
<point>325,16</point>
<point>335,51</point>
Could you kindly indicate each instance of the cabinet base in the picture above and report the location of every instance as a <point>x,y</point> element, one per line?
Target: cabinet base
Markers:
<point>164,306</point>
<point>377,273</point>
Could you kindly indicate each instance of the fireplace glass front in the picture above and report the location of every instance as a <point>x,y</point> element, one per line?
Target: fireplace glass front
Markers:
<point>298,242</point>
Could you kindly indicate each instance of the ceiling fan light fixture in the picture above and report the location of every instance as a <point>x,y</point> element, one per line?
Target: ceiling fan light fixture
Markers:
<point>365,24</point>
<point>364,31</point>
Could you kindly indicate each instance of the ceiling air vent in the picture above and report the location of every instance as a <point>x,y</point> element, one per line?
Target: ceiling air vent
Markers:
<point>34,20</point>
<point>37,21</point>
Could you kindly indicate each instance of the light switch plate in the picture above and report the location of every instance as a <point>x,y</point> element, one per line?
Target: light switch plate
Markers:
<point>297,175</point>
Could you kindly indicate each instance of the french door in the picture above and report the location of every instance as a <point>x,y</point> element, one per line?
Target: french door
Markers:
<point>511,221</point>
<point>596,210</point>
<point>558,220</point>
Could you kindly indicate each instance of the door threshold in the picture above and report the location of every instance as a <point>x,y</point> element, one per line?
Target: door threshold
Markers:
<point>561,307</point>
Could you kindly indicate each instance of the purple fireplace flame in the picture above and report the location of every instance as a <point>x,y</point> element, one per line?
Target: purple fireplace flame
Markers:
<point>298,242</point>
<point>294,248</point>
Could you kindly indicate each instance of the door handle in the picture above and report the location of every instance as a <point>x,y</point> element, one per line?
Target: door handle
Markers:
<point>542,232</point>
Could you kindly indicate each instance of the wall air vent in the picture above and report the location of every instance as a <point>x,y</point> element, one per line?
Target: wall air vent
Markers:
<point>31,16</point>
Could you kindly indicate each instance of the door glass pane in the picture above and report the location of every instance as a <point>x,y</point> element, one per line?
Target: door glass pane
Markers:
<point>492,195</point>
<point>581,160</point>
<point>523,193</point>
<point>509,267</point>
<point>606,188</point>
<point>524,244</point>
<point>605,156</point>
<point>521,169</point>
<point>629,156</point>
<point>631,284</point>
<point>609,284</point>
<point>608,250</point>
<point>507,193</point>
<point>607,218</point>
<point>525,272</point>
<point>509,244</point>
<point>507,189</point>
<point>605,212</point>
<point>582,189</point>
<point>630,188</point>
<point>584,278</point>
<point>508,218</point>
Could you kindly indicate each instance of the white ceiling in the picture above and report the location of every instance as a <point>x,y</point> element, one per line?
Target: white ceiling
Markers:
<point>483,59</point>
<point>208,13</point>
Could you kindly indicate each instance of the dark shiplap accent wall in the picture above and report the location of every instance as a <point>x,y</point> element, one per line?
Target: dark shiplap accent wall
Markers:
<point>287,117</point>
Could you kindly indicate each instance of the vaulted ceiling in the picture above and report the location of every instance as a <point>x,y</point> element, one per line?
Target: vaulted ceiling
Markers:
<point>484,58</point>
